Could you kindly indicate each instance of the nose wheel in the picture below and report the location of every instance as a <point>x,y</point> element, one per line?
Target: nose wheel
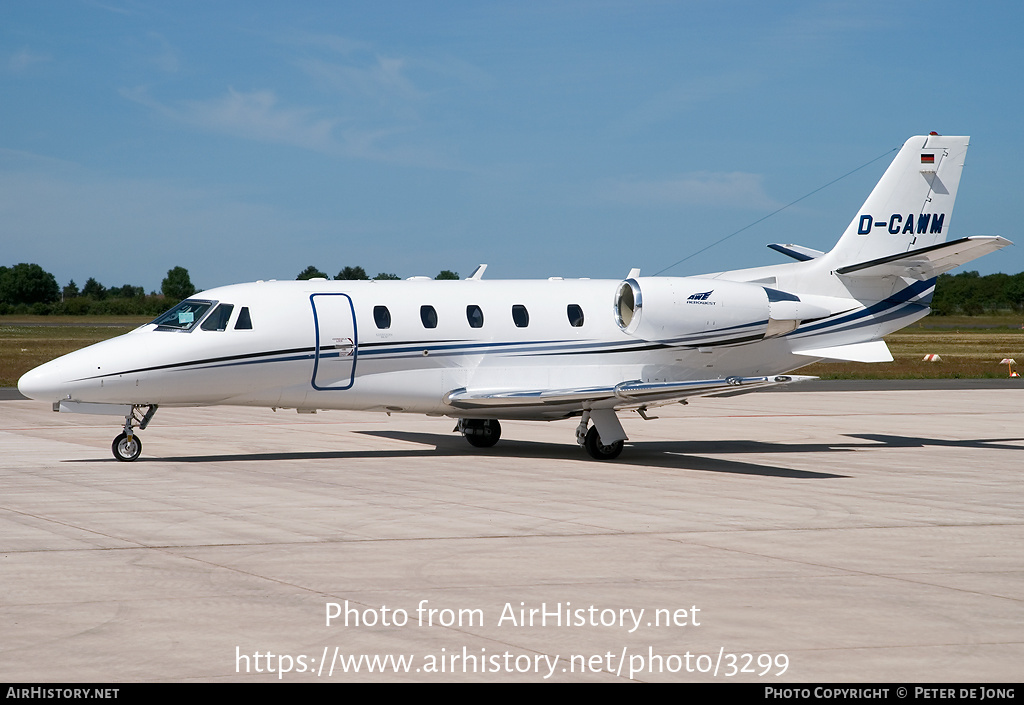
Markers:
<point>127,448</point>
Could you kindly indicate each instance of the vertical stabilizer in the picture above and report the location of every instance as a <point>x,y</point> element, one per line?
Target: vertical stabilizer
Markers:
<point>910,207</point>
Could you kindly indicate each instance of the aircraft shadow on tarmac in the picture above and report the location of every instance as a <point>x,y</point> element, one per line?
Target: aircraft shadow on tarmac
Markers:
<point>672,455</point>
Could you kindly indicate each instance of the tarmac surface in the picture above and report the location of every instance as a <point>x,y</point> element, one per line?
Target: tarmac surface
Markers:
<point>873,536</point>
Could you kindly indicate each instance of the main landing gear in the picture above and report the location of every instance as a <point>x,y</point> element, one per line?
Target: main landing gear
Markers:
<point>591,438</point>
<point>602,441</point>
<point>127,446</point>
<point>598,450</point>
<point>481,433</point>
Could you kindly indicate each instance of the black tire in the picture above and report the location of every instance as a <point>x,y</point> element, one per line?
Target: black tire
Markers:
<point>481,433</point>
<point>126,450</point>
<point>599,451</point>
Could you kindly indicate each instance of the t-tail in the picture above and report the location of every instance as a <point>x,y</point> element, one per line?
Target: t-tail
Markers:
<point>881,274</point>
<point>911,206</point>
<point>901,229</point>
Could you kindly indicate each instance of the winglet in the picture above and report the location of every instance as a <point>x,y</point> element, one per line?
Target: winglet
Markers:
<point>797,252</point>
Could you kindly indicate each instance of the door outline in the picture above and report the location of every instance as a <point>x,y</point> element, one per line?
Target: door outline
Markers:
<point>335,322</point>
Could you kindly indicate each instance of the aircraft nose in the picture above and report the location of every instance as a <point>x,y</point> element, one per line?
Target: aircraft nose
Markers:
<point>43,383</point>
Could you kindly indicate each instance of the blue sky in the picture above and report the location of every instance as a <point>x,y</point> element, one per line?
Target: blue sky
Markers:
<point>247,140</point>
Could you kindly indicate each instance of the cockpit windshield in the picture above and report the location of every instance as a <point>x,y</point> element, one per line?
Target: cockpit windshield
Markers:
<point>184,316</point>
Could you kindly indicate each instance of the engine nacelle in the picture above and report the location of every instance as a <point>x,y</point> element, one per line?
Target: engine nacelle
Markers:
<point>695,312</point>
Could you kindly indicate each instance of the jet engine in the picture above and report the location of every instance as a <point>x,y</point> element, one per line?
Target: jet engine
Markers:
<point>694,312</point>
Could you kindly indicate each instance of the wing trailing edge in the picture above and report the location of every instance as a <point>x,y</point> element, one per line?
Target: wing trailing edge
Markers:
<point>624,394</point>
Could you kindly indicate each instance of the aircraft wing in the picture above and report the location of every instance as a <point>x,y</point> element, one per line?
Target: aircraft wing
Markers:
<point>624,394</point>
<point>928,262</point>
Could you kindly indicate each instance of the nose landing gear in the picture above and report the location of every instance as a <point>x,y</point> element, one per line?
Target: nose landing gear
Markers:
<point>127,446</point>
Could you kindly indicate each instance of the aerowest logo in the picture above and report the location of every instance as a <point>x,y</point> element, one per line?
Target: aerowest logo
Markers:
<point>908,224</point>
<point>701,298</point>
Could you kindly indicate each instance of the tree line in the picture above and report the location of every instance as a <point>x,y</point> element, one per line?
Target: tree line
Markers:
<point>28,288</point>
<point>971,294</point>
<point>311,272</point>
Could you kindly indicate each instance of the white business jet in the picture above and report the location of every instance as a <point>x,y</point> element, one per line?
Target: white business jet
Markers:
<point>479,350</point>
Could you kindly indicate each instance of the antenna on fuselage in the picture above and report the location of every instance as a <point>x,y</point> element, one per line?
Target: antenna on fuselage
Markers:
<point>478,273</point>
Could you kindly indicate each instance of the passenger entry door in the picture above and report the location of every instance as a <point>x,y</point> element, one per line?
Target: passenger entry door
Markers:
<point>334,363</point>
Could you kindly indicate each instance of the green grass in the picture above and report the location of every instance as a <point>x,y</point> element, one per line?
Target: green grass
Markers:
<point>968,350</point>
<point>1006,321</point>
<point>29,341</point>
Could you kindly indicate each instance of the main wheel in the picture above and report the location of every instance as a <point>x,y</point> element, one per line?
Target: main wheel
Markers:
<point>126,449</point>
<point>599,451</point>
<point>481,433</point>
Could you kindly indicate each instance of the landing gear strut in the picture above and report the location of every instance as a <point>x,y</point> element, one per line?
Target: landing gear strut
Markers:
<point>127,446</point>
<point>590,438</point>
<point>481,433</point>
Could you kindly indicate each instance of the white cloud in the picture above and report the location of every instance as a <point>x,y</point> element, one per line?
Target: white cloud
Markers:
<point>736,188</point>
<point>255,115</point>
<point>381,80</point>
<point>166,58</point>
<point>259,116</point>
<point>23,60</point>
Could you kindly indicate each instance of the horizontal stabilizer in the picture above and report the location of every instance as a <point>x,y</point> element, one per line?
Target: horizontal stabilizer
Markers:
<point>873,351</point>
<point>927,262</point>
<point>624,394</point>
<point>797,252</point>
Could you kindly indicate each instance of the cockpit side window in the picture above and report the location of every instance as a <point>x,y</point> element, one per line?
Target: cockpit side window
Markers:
<point>244,321</point>
<point>218,320</point>
<point>184,316</point>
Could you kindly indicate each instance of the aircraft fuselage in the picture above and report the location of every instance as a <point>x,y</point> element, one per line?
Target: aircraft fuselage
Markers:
<point>404,345</point>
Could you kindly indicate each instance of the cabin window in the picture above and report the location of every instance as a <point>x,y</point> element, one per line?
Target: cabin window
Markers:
<point>244,321</point>
<point>520,316</point>
<point>382,317</point>
<point>429,316</point>
<point>218,320</point>
<point>575,314</point>
<point>475,316</point>
<point>184,316</point>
